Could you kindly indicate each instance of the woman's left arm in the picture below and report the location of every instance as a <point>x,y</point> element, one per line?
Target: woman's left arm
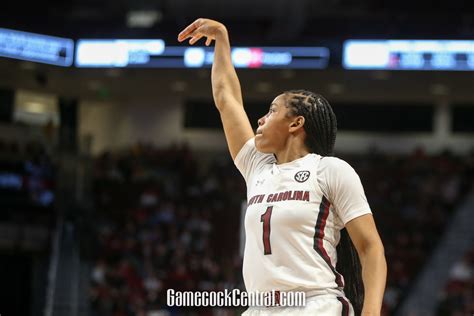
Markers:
<point>368,244</point>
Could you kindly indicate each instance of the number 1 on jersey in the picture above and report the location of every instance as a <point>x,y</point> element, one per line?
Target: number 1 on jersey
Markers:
<point>265,218</point>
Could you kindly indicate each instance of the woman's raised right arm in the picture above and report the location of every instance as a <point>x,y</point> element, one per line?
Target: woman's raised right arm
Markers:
<point>225,83</point>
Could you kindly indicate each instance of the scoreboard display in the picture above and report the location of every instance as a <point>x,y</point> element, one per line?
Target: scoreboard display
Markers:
<point>452,55</point>
<point>154,54</point>
<point>262,57</point>
<point>117,52</point>
<point>36,47</point>
<point>437,55</point>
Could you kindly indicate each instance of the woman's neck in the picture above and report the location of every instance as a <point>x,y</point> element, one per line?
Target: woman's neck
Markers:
<point>291,153</point>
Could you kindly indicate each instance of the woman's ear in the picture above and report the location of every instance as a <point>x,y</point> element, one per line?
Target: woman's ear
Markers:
<point>297,123</point>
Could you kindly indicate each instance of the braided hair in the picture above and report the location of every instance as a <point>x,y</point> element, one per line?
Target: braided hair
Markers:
<point>321,127</point>
<point>320,121</point>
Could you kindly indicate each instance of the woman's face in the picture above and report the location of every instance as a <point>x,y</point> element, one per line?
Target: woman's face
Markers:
<point>273,128</point>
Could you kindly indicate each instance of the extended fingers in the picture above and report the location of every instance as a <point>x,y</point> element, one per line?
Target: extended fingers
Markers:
<point>195,38</point>
<point>187,32</point>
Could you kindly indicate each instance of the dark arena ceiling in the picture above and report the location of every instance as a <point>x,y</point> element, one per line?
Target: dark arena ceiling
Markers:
<point>250,21</point>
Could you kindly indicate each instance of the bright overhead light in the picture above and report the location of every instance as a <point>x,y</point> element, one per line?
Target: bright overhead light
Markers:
<point>144,18</point>
<point>34,107</point>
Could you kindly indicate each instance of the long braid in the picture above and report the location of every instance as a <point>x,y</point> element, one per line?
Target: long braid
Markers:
<point>321,129</point>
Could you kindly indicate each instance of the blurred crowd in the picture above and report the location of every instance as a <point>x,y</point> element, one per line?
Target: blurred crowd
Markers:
<point>27,174</point>
<point>457,298</point>
<point>167,220</point>
<point>412,198</point>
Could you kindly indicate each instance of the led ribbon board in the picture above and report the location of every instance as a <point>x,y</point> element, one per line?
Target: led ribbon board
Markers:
<point>37,48</point>
<point>118,53</point>
<point>262,57</point>
<point>454,55</point>
<point>154,54</point>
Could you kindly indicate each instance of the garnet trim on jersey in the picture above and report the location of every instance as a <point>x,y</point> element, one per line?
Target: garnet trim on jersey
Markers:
<point>345,306</point>
<point>319,236</point>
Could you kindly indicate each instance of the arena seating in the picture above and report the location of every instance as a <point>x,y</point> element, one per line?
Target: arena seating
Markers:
<point>412,198</point>
<point>28,217</point>
<point>163,220</point>
<point>457,297</point>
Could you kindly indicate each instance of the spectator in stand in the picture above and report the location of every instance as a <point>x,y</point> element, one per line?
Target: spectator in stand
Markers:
<point>171,233</point>
<point>458,296</point>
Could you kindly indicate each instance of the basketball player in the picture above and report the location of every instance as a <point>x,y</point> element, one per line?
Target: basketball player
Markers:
<point>299,198</point>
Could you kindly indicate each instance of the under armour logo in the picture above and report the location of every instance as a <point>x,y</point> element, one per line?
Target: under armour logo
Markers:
<point>260,182</point>
<point>302,176</point>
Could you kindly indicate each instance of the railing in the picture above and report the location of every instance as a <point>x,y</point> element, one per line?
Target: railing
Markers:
<point>68,277</point>
<point>457,239</point>
<point>53,268</point>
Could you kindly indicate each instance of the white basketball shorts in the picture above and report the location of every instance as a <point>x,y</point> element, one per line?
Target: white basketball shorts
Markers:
<point>324,305</point>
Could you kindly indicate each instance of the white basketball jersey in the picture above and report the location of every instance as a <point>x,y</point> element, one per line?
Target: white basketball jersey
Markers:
<point>295,212</point>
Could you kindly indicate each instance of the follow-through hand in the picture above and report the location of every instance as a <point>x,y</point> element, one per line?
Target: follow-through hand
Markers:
<point>202,28</point>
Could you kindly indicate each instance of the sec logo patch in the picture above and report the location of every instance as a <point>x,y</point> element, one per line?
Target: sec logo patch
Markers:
<point>302,176</point>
